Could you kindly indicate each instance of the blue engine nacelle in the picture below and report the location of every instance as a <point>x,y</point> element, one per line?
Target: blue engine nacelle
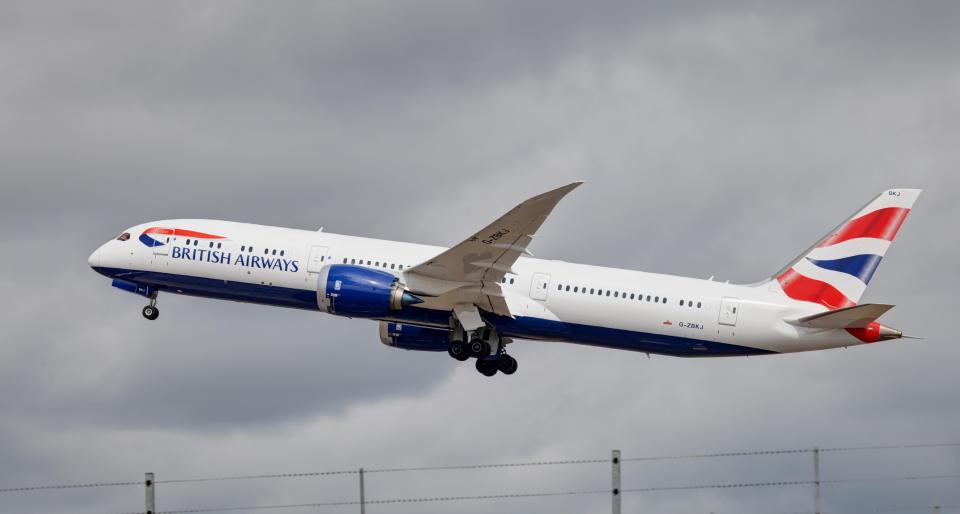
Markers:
<point>412,337</point>
<point>358,292</point>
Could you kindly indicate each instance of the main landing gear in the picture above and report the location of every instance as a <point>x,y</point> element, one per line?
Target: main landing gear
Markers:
<point>491,358</point>
<point>151,312</point>
<point>503,363</point>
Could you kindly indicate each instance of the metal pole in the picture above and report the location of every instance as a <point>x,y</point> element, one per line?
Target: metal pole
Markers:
<point>363,501</point>
<point>816,479</point>
<point>936,509</point>
<point>616,481</point>
<point>149,495</point>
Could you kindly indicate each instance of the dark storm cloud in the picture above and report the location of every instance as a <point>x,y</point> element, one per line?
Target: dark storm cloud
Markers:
<point>716,139</point>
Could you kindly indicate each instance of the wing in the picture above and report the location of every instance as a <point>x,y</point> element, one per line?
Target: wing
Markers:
<point>489,254</point>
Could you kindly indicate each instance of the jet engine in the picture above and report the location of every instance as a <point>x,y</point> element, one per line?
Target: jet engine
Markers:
<point>412,337</point>
<point>358,292</point>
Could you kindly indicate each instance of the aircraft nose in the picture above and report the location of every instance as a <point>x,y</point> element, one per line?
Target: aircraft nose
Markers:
<point>94,259</point>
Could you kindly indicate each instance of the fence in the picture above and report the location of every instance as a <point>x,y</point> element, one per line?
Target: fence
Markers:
<point>615,492</point>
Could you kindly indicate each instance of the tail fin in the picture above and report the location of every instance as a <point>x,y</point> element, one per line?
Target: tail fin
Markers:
<point>836,270</point>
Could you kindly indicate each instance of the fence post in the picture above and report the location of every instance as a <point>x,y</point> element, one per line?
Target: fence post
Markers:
<point>615,462</point>
<point>149,495</point>
<point>816,479</point>
<point>363,501</point>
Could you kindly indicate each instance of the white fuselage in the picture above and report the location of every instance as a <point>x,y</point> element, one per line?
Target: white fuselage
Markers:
<point>549,299</point>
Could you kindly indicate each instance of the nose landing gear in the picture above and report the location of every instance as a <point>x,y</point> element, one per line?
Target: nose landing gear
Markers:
<point>151,312</point>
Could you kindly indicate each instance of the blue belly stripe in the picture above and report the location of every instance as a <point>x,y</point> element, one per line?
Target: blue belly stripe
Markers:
<point>522,327</point>
<point>218,289</point>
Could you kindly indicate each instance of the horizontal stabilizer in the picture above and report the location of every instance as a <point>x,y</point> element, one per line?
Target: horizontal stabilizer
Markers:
<point>858,316</point>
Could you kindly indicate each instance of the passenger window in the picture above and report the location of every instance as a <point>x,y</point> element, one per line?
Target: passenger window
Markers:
<point>656,299</point>
<point>273,252</point>
<point>281,253</point>
<point>344,260</point>
<point>188,242</point>
<point>393,266</point>
<point>568,288</point>
<point>616,294</point>
<point>664,299</point>
<point>608,292</point>
<point>401,266</point>
<point>575,289</point>
<point>559,287</point>
<point>250,249</point>
<point>681,303</point>
<point>591,290</point>
<point>631,296</point>
<point>266,251</point>
<point>220,245</point>
<point>511,280</point>
<point>243,248</point>
<point>698,305</point>
<point>648,298</point>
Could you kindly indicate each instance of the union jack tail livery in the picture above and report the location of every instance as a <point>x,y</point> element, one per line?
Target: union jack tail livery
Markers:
<point>837,269</point>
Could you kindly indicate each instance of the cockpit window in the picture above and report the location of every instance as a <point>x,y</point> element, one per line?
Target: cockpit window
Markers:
<point>124,236</point>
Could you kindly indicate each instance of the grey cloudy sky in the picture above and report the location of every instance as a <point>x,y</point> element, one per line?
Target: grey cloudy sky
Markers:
<point>716,139</point>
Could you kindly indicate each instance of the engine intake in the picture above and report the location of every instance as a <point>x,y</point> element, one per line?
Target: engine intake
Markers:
<point>358,292</point>
<point>412,337</point>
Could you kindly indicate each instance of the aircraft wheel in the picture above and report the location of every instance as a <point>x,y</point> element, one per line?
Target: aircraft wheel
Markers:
<point>150,312</point>
<point>487,368</point>
<point>479,348</point>
<point>507,364</point>
<point>458,350</point>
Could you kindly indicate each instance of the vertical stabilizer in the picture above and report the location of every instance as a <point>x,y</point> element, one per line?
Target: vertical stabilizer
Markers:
<point>836,270</point>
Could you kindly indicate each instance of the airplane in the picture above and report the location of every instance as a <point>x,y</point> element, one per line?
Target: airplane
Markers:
<point>475,298</point>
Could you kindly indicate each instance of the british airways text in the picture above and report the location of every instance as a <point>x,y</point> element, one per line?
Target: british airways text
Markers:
<point>249,261</point>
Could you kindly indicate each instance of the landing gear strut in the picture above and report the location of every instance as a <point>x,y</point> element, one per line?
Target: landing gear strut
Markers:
<point>151,312</point>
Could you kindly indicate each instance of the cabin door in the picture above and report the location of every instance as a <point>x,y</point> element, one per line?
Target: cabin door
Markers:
<point>728,311</point>
<point>540,286</point>
<point>318,258</point>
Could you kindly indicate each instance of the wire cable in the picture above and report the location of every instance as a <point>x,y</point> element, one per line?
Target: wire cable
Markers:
<point>432,499</point>
<point>66,486</point>
<point>481,466</point>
